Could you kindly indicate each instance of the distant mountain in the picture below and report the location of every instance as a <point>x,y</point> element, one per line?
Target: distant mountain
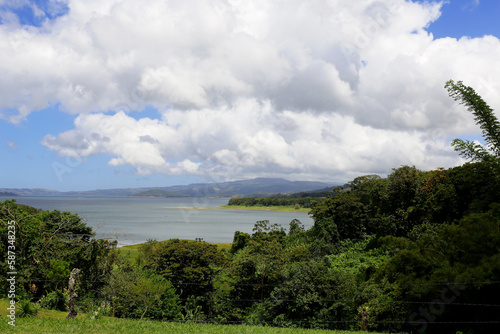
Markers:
<point>8,194</point>
<point>30,191</point>
<point>39,192</point>
<point>258,187</point>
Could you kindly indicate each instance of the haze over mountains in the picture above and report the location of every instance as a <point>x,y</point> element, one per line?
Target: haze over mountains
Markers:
<point>254,187</point>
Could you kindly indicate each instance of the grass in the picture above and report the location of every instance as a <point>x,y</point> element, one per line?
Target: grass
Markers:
<point>223,245</point>
<point>130,252</point>
<point>52,322</point>
<point>127,326</point>
<point>282,208</point>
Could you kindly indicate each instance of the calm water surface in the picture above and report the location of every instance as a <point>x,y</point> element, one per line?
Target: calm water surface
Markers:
<point>135,220</point>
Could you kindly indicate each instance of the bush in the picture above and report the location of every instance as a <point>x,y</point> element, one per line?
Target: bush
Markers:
<point>27,309</point>
<point>55,300</point>
<point>97,310</point>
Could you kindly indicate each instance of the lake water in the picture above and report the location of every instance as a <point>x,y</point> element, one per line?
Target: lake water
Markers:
<point>135,220</point>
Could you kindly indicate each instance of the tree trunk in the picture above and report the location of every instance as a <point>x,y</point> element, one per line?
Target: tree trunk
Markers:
<point>72,294</point>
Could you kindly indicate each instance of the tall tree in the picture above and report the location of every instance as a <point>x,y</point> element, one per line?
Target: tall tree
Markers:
<point>485,118</point>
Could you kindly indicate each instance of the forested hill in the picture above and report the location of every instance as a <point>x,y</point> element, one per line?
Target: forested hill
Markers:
<point>259,187</point>
<point>255,187</point>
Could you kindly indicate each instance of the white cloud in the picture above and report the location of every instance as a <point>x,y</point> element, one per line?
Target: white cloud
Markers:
<point>249,139</point>
<point>309,88</point>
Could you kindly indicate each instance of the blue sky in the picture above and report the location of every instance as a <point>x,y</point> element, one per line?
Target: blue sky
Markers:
<point>467,18</point>
<point>201,104</point>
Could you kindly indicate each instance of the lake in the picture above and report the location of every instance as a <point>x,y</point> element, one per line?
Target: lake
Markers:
<point>134,220</point>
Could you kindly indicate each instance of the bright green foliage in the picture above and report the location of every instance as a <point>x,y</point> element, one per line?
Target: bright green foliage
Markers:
<point>86,325</point>
<point>55,300</point>
<point>356,260</point>
<point>485,118</point>
<point>57,272</point>
<point>140,293</point>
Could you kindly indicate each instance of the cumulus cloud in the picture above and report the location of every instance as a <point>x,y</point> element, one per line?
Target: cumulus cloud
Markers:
<point>250,138</point>
<point>305,88</point>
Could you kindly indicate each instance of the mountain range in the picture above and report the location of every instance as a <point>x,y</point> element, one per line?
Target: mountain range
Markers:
<point>258,187</point>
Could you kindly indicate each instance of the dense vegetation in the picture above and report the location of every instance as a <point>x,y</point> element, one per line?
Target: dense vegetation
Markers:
<point>418,251</point>
<point>299,200</point>
<point>304,202</point>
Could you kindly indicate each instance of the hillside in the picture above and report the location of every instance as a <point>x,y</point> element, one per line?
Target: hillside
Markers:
<point>8,194</point>
<point>258,187</point>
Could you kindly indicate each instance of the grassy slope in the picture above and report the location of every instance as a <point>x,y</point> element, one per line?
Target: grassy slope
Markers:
<point>122,326</point>
<point>49,322</point>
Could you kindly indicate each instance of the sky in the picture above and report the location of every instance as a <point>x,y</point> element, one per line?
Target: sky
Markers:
<point>100,94</point>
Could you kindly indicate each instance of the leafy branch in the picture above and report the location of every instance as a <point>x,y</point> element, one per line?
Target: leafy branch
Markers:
<point>484,117</point>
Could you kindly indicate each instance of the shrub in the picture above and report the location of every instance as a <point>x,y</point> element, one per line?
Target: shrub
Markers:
<point>27,309</point>
<point>55,300</point>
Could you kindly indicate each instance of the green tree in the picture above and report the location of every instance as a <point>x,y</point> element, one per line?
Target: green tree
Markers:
<point>439,263</point>
<point>363,185</point>
<point>296,227</point>
<point>340,217</point>
<point>240,239</point>
<point>140,293</point>
<point>485,118</point>
<point>401,208</point>
<point>48,245</point>
<point>190,265</point>
<point>307,296</point>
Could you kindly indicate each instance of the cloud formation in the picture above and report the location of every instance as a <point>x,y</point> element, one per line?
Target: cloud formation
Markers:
<point>305,89</point>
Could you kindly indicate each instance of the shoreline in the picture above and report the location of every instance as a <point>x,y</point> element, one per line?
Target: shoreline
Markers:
<point>265,208</point>
<point>241,207</point>
<point>187,207</point>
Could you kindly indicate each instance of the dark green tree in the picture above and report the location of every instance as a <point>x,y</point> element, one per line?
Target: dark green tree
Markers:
<point>190,265</point>
<point>240,239</point>
<point>48,245</point>
<point>340,217</point>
